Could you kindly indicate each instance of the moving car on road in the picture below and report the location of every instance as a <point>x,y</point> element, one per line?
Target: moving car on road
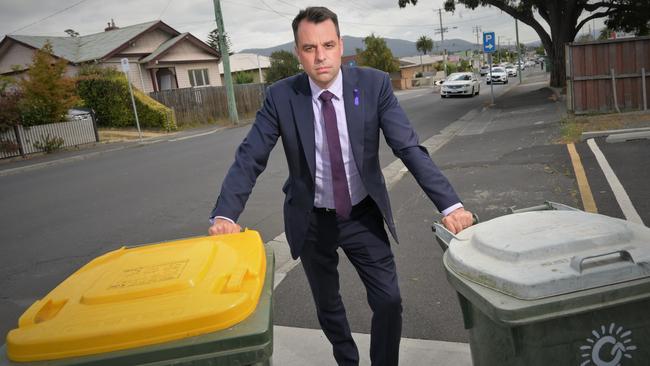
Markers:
<point>485,69</point>
<point>498,75</point>
<point>511,70</point>
<point>460,83</point>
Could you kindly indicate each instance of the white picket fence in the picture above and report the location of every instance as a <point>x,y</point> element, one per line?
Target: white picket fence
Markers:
<point>77,131</point>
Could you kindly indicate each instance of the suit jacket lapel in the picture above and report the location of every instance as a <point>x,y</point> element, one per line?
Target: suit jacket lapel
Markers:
<point>303,113</point>
<point>354,104</point>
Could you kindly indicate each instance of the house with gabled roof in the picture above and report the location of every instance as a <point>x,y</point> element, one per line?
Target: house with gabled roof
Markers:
<point>256,65</point>
<point>160,57</point>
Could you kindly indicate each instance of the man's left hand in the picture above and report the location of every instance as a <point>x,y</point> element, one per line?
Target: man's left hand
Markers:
<point>458,220</point>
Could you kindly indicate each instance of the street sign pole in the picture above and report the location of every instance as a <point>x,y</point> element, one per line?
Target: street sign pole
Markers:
<point>488,47</point>
<point>125,69</point>
<point>518,50</point>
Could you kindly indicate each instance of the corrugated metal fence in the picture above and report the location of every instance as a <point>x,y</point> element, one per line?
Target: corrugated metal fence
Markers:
<point>606,76</point>
<point>208,104</point>
<point>24,140</point>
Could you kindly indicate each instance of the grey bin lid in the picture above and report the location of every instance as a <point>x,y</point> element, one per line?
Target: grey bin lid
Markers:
<point>534,255</point>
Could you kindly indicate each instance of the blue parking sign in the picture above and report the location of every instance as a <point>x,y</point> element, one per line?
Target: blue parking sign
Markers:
<point>488,42</point>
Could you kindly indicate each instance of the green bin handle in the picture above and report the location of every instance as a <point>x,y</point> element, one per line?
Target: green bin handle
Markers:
<point>578,260</point>
<point>546,206</point>
<point>444,236</point>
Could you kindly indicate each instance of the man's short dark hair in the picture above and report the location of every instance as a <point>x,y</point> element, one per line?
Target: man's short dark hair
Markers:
<point>314,14</point>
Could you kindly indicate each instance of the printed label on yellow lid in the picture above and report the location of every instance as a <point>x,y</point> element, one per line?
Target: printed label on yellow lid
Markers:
<point>145,295</point>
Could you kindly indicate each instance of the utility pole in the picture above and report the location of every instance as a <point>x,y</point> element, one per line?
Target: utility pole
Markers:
<point>230,92</point>
<point>499,48</point>
<point>477,29</point>
<point>518,50</point>
<point>442,40</point>
<point>259,68</point>
<point>442,31</point>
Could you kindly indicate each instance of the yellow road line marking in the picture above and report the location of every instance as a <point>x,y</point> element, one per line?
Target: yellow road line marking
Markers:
<point>583,185</point>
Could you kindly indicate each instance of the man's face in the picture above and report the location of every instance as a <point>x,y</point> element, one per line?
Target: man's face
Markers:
<point>319,50</point>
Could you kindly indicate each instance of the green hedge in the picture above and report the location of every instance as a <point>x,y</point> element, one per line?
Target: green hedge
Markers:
<point>109,97</point>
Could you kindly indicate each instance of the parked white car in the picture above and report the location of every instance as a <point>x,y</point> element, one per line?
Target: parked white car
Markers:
<point>498,75</point>
<point>460,83</point>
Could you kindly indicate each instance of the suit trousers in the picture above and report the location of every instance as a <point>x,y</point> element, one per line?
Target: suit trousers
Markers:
<point>363,239</point>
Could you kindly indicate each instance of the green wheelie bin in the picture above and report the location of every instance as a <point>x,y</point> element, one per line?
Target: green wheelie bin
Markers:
<point>197,301</point>
<point>552,285</point>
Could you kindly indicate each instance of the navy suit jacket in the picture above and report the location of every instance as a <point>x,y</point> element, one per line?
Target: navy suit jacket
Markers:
<point>287,113</point>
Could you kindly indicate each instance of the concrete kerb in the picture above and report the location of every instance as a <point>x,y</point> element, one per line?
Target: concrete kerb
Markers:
<point>629,136</point>
<point>594,134</point>
<point>82,155</point>
<point>45,164</point>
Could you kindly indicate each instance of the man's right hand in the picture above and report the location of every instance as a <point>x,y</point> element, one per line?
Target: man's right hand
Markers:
<point>222,226</point>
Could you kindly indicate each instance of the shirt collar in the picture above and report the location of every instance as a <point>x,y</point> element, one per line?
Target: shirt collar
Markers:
<point>336,88</point>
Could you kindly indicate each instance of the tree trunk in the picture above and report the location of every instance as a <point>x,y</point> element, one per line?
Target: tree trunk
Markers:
<point>563,22</point>
<point>558,64</point>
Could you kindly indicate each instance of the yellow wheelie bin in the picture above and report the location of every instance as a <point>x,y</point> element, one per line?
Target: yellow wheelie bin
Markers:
<point>197,301</point>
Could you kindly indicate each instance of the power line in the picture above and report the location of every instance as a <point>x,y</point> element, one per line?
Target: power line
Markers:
<point>288,3</point>
<point>255,7</point>
<point>353,4</point>
<point>165,9</point>
<point>49,16</point>
<point>273,10</point>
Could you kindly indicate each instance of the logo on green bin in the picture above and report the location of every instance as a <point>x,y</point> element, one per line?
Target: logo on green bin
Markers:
<point>607,348</point>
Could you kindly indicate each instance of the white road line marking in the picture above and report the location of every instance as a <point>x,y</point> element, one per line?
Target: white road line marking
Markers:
<point>619,192</point>
<point>193,136</point>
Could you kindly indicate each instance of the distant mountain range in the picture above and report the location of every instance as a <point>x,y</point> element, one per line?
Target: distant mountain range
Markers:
<point>399,47</point>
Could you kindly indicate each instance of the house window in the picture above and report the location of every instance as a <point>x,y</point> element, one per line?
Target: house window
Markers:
<point>199,77</point>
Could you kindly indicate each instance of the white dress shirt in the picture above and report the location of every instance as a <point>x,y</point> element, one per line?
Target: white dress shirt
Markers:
<point>324,190</point>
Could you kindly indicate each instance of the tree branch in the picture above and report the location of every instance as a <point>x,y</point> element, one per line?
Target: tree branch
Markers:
<point>543,12</point>
<point>525,17</point>
<point>602,4</point>
<point>601,14</point>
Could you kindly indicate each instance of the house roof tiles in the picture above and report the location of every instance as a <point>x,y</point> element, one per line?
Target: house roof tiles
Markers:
<point>91,47</point>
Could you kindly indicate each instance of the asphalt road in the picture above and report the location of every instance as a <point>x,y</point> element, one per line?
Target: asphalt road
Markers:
<point>630,165</point>
<point>57,218</point>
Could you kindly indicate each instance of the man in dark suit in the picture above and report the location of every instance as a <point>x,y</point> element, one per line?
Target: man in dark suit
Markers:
<point>329,119</point>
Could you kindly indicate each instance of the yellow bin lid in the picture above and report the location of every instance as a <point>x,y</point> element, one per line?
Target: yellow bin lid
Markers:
<point>132,297</point>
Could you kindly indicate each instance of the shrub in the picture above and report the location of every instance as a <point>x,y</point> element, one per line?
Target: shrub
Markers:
<point>464,66</point>
<point>47,93</point>
<point>107,92</point>
<point>283,65</point>
<point>9,109</point>
<point>243,77</point>
<point>153,113</point>
<point>49,143</point>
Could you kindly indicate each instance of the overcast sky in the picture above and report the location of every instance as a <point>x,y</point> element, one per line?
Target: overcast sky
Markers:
<point>261,23</point>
